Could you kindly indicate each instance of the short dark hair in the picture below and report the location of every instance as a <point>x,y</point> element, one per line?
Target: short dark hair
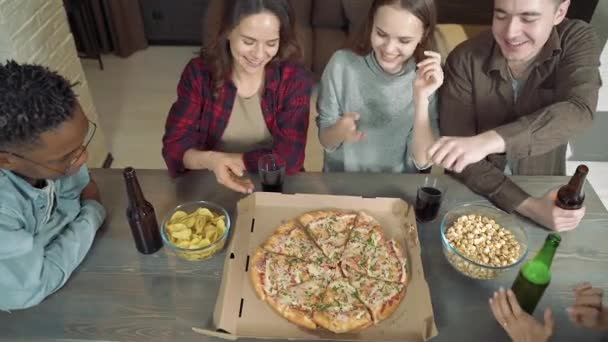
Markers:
<point>425,10</point>
<point>218,55</point>
<point>33,100</point>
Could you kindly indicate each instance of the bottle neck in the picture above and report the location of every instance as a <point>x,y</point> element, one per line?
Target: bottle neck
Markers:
<point>546,254</point>
<point>578,180</point>
<point>134,193</point>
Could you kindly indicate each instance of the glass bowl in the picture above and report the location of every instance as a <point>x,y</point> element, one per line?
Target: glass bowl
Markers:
<point>477,268</point>
<point>200,253</point>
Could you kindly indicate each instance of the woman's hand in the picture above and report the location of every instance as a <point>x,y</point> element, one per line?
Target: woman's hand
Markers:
<point>520,326</point>
<point>588,310</point>
<point>429,76</point>
<point>228,168</point>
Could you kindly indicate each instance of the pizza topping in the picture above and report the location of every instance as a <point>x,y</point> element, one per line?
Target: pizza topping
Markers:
<point>301,271</point>
<point>385,263</point>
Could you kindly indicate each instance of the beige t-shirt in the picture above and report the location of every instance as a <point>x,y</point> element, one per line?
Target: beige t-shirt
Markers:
<point>246,129</point>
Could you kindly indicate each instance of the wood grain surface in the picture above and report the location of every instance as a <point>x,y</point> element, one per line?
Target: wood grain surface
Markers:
<point>119,295</point>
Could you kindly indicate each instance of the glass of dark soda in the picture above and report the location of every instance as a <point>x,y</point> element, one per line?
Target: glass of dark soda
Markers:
<point>272,173</point>
<point>428,199</point>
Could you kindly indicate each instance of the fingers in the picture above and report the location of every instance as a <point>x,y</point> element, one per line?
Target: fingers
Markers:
<point>564,225</point>
<point>572,214</point>
<point>432,57</point>
<point>552,194</point>
<point>495,306</point>
<point>582,286</point>
<point>583,315</point>
<point>566,220</point>
<point>589,297</point>
<point>229,178</point>
<point>504,306</point>
<point>352,115</point>
<point>234,184</point>
<point>445,153</point>
<point>549,323</point>
<point>460,165</point>
<point>431,71</point>
<point>517,311</point>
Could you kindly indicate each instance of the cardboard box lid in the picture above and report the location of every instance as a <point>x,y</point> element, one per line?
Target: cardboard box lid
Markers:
<point>240,313</point>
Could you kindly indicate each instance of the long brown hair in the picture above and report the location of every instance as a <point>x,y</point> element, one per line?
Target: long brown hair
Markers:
<point>425,10</point>
<point>217,55</point>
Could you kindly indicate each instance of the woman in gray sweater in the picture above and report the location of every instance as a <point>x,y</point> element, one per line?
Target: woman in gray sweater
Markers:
<point>377,110</point>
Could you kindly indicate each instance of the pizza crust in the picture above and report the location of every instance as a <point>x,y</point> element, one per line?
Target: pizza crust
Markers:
<point>294,315</point>
<point>389,308</point>
<point>256,272</point>
<point>349,324</point>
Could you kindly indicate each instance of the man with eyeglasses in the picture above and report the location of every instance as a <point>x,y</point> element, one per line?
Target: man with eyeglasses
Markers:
<point>50,209</point>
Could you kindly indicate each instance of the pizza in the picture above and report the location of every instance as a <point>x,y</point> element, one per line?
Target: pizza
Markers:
<point>330,230</point>
<point>330,269</point>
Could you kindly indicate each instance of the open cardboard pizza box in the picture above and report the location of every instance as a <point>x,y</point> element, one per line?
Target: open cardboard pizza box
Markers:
<point>238,311</point>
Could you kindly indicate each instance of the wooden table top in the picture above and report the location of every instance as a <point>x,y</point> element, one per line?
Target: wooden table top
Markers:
<point>119,295</point>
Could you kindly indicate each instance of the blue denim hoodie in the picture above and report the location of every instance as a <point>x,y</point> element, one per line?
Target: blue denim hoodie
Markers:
<point>44,235</point>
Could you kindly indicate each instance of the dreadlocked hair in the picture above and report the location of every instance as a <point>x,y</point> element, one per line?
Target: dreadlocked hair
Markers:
<point>33,100</point>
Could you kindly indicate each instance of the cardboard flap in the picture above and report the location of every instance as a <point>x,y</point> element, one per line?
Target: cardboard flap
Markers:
<point>213,333</point>
<point>229,306</point>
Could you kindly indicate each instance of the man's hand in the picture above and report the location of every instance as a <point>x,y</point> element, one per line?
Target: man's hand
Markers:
<point>456,153</point>
<point>347,126</point>
<point>588,310</point>
<point>91,192</point>
<point>544,212</point>
<point>520,326</point>
<point>229,169</point>
<point>429,76</point>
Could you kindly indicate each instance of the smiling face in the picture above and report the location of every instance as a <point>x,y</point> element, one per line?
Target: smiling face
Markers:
<point>255,42</point>
<point>522,27</point>
<point>395,34</point>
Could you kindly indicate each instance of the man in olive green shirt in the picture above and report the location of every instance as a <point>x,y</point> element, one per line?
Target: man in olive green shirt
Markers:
<point>513,98</point>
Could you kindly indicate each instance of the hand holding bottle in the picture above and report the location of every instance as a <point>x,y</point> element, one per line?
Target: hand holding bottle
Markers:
<point>543,211</point>
<point>588,311</point>
<point>520,326</point>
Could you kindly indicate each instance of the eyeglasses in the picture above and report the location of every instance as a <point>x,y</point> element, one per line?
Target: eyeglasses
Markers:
<point>71,159</point>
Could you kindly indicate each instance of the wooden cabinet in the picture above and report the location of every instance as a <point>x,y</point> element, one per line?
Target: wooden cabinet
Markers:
<point>175,22</point>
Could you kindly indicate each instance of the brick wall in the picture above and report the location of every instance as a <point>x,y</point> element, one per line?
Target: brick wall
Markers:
<point>37,31</point>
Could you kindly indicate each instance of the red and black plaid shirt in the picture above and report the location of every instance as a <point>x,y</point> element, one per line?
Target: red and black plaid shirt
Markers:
<point>198,119</point>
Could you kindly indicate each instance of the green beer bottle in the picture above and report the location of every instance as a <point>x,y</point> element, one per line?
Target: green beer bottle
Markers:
<point>535,275</point>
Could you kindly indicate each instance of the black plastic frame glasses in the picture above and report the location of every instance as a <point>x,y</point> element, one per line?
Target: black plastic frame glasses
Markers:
<point>76,155</point>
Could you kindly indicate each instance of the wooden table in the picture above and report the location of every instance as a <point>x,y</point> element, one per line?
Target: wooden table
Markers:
<point>120,295</point>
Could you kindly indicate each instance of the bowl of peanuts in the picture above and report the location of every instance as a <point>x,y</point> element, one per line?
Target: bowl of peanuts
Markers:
<point>482,241</point>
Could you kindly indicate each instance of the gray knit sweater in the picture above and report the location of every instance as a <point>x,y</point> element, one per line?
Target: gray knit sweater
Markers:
<point>352,83</point>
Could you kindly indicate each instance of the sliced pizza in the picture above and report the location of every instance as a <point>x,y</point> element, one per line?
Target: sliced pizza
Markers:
<point>387,262</point>
<point>298,303</point>
<point>292,240</point>
<point>340,310</point>
<point>271,273</point>
<point>366,234</point>
<point>382,298</point>
<point>330,230</point>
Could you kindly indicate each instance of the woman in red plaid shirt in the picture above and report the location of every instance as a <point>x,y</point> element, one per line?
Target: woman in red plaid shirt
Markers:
<point>246,96</point>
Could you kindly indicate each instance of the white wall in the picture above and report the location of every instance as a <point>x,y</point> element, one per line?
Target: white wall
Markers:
<point>37,31</point>
<point>602,105</point>
<point>600,24</point>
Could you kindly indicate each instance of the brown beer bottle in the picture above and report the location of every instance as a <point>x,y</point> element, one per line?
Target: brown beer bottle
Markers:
<point>141,216</point>
<point>571,195</point>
